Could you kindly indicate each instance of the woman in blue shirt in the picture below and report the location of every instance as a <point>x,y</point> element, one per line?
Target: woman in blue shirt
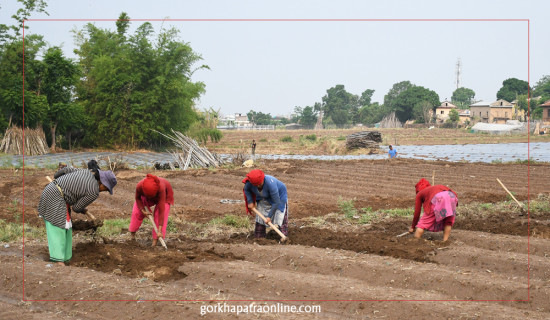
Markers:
<point>268,195</point>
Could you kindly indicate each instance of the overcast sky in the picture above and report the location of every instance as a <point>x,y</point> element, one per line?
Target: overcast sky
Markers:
<point>273,66</point>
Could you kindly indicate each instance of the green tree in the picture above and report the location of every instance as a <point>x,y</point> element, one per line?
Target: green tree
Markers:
<point>405,103</point>
<point>12,91</point>
<point>22,14</point>
<point>463,97</point>
<point>511,88</point>
<point>454,116</point>
<point>422,111</point>
<point>259,118</point>
<point>134,84</point>
<point>366,97</point>
<point>59,77</point>
<point>371,114</point>
<point>306,116</point>
<point>395,91</point>
<point>340,117</point>
<point>542,88</point>
<point>340,104</point>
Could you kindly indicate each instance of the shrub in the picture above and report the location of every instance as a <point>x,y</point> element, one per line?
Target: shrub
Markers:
<point>311,137</point>
<point>347,207</point>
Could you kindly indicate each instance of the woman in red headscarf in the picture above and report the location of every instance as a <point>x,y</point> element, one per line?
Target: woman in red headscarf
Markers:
<point>269,196</point>
<point>152,191</point>
<point>439,204</point>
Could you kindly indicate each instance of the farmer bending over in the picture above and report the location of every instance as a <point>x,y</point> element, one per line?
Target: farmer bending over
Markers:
<point>152,191</point>
<point>439,209</point>
<point>268,195</point>
<point>72,187</point>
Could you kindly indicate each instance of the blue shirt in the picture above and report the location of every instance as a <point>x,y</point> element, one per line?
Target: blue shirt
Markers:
<point>274,191</point>
<point>392,153</point>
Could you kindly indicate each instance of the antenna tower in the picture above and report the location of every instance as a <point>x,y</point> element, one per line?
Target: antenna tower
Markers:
<point>458,71</point>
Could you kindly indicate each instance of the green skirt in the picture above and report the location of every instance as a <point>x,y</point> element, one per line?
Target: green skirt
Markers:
<point>60,242</point>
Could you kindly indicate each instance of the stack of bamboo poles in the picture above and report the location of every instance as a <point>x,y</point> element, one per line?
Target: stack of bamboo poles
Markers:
<point>35,142</point>
<point>363,139</point>
<point>190,154</point>
<point>391,121</point>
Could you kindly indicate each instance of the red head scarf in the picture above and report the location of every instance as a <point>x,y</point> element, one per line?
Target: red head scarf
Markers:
<point>151,186</point>
<point>256,177</point>
<point>422,184</point>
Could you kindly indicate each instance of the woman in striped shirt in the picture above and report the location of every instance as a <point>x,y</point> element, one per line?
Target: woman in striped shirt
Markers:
<point>72,187</point>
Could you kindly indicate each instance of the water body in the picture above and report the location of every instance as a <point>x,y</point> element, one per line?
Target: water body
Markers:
<point>505,152</point>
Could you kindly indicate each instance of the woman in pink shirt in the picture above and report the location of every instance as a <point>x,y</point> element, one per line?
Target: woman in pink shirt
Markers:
<point>439,204</point>
<point>152,191</point>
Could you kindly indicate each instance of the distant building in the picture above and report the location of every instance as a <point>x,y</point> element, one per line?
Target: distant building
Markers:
<point>463,115</point>
<point>242,121</point>
<point>442,112</point>
<point>234,121</point>
<point>546,111</point>
<point>499,111</point>
<point>479,112</point>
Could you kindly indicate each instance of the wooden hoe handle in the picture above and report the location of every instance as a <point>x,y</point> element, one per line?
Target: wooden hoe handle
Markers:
<point>283,237</point>
<point>511,195</point>
<point>150,216</point>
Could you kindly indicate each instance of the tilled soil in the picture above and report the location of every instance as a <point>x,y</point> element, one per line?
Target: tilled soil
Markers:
<point>351,271</point>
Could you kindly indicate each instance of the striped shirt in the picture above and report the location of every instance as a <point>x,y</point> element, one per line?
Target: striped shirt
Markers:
<point>80,188</point>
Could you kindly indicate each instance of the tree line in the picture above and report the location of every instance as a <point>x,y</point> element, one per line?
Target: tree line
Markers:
<point>409,102</point>
<point>121,88</point>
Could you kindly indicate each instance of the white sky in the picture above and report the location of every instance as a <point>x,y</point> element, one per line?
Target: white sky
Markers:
<point>274,66</point>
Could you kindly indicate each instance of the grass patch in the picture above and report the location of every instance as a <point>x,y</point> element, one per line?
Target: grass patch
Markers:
<point>113,227</point>
<point>398,212</point>
<point>368,215</point>
<point>232,221</point>
<point>486,206</point>
<point>527,161</point>
<point>341,138</point>
<point>12,209</point>
<point>13,231</point>
<point>286,139</point>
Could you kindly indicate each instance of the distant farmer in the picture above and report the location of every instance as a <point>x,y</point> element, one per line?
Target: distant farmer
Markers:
<point>152,191</point>
<point>439,204</point>
<point>392,153</point>
<point>253,146</point>
<point>72,187</point>
<point>268,195</point>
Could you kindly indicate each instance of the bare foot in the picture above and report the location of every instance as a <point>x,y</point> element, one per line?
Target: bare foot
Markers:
<point>61,263</point>
<point>154,243</point>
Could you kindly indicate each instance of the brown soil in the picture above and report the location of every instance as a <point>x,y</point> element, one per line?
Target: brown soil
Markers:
<point>345,268</point>
<point>83,225</point>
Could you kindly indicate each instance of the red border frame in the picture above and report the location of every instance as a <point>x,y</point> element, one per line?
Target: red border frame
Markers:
<point>294,20</point>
